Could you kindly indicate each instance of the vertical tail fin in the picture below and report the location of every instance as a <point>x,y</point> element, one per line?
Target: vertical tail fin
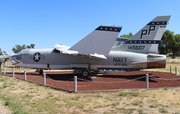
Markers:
<point>147,39</point>
<point>99,41</point>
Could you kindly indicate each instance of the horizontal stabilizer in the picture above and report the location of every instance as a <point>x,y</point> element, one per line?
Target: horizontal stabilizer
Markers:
<point>152,58</point>
<point>145,62</point>
<point>154,55</point>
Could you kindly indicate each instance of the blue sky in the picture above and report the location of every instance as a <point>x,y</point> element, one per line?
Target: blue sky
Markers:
<point>49,22</point>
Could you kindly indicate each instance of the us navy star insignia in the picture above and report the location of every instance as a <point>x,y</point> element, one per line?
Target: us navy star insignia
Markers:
<point>37,57</point>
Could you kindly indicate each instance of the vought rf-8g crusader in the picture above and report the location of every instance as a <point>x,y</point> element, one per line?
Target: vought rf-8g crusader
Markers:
<point>101,50</point>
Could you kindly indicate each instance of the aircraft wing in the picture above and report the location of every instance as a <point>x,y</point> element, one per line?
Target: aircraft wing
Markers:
<point>65,50</point>
<point>99,41</point>
<point>70,52</point>
<point>98,56</point>
<point>95,45</point>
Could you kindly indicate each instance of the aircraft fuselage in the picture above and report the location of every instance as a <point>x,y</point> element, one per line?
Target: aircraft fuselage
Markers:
<point>51,59</point>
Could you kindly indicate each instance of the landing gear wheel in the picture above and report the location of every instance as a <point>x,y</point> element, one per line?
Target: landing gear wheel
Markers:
<point>85,73</point>
<point>40,71</point>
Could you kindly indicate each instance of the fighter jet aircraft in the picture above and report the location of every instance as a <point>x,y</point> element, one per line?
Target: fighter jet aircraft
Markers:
<point>3,56</point>
<point>96,51</point>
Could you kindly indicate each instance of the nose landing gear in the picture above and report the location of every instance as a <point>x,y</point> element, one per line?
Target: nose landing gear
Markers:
<point>40,71</point>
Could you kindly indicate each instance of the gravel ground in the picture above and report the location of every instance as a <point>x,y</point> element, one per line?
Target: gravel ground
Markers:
<point>107,82</point>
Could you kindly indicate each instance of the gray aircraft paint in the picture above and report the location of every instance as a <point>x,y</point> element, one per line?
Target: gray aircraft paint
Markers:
<point>100,36</point>
<point>64,61</point>
<point>157,25</point>
<point>63,57</point>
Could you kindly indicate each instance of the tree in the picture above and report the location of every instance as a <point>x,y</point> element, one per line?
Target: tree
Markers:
<point>127,35</point>
<point>18,48</point>
<point>170,43</point>
<point>176,46</point>
<point>31,46</point>
<point>167,42</point>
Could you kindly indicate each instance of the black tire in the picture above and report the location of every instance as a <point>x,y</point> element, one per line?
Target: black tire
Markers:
<point>40,71</point>
<point>85,73</point>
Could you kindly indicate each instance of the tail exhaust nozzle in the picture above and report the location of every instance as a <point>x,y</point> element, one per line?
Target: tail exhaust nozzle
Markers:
<point>158,61</point>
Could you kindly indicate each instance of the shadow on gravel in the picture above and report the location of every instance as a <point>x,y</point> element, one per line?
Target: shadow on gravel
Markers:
<point>67,77</point>
<point>129,77</point>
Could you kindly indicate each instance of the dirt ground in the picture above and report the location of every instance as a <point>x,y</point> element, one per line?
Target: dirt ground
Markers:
<point>3,109</point>
<point>64,80</point>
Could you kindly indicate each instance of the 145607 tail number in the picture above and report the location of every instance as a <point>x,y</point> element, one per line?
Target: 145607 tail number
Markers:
<point>136,47</point>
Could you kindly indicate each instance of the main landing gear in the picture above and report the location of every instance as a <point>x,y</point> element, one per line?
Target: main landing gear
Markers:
<point>84,72</point>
